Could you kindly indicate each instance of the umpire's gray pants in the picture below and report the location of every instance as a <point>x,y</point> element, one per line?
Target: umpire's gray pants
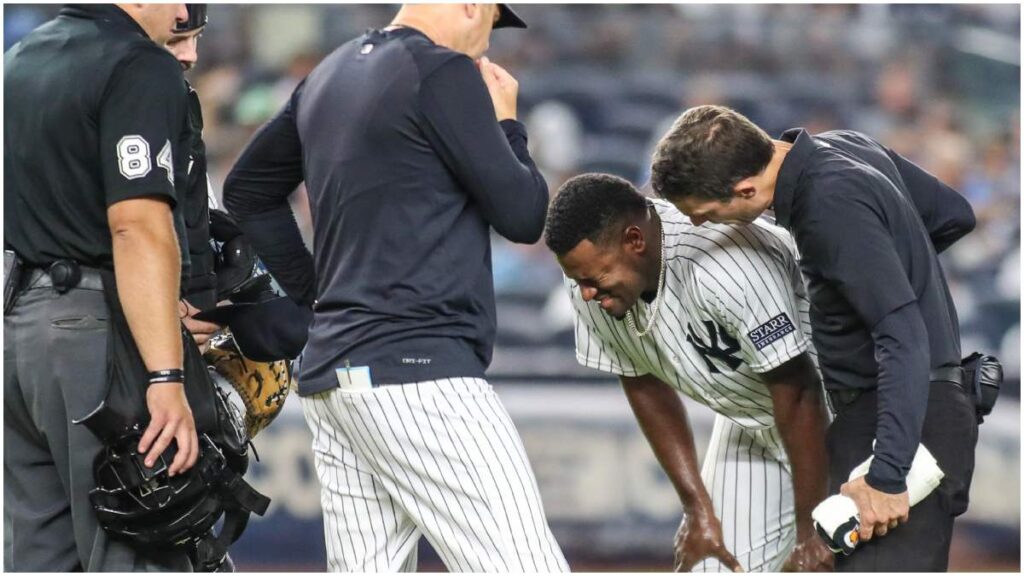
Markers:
<point>55,371</point>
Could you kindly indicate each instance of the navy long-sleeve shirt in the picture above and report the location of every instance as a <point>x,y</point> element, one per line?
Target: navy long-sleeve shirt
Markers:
<point>407,170</point>
<point>869,224</point>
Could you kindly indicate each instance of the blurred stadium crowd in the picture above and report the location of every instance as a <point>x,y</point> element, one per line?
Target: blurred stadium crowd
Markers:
<point>599,84</point>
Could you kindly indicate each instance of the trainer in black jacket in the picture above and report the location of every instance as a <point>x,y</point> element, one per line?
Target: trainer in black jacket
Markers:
<point>868,224</point>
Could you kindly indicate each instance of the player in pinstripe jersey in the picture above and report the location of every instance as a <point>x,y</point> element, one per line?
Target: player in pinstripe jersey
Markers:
<point>720,314</point>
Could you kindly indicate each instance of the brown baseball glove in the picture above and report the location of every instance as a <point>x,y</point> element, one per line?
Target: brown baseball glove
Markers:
<point>262,386</point>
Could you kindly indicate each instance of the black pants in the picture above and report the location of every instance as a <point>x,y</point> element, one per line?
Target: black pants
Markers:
<point>950,434</point>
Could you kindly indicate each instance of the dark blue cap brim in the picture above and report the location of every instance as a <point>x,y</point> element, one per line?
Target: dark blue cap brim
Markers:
<point>507,18</point>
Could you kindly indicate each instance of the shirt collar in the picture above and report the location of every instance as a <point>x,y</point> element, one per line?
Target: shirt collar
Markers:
<point>106,12</point>
<point>790,171</point>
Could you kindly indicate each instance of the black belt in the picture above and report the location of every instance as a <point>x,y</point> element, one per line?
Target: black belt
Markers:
<point>62,276</point>
<point>952,374</point>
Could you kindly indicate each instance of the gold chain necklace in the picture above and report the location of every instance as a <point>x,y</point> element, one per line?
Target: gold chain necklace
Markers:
<point>656,306</point>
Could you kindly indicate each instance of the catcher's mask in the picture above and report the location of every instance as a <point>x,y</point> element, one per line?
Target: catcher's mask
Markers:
<point>152,510</point>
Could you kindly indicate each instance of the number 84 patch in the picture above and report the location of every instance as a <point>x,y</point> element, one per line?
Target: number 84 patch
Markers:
<point>133,158</point>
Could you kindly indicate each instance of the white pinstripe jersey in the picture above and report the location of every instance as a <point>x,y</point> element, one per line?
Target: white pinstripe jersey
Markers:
<point>735,306</point>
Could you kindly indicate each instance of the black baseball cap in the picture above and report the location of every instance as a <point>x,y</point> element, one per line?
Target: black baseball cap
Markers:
<point>267,331</point>
<point>197,18</point>
<point>507,18</point>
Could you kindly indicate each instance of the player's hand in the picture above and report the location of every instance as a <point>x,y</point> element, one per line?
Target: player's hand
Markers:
<point>170,418</point>
<point>810,555</point>
<point>504,89</point>
<point>699,537</point>
<point>201,331</point>
<point>879,511</point>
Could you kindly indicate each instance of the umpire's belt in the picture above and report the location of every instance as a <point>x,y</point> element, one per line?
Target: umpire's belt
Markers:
<point>952,374</point>
<point>63,275</point>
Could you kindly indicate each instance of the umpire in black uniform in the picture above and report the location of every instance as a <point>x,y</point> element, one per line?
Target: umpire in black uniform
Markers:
<point>95,119</point>
<point>869,225</point>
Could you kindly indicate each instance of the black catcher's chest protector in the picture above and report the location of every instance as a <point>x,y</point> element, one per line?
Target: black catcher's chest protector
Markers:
<point>201,284</point>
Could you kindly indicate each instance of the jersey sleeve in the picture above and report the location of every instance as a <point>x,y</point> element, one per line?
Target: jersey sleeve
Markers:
<point>596,333</point>
<point>142,125</point>
<point>762,310</point>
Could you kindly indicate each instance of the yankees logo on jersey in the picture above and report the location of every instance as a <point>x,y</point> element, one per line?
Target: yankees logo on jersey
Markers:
<point>734,308</point>
<point>726,354</point>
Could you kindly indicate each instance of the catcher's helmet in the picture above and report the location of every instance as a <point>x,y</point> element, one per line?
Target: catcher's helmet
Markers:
<point>238,270</point>
<point>196,19</point>
<point>240,276</point>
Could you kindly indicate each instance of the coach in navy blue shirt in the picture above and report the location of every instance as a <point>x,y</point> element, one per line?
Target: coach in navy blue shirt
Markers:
<point>868,224</point>
<point>408,143</point>
<point>410,152</point>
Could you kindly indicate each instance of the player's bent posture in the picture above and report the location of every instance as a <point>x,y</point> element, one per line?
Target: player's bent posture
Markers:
<point>409,147</point>
<point>720,314</point>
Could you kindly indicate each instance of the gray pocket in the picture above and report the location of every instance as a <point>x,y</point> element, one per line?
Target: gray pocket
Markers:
<point>87,322</point>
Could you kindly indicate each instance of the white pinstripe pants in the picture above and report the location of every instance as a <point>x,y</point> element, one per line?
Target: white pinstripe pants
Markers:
<point>440,459</point>
<point>747,474</point>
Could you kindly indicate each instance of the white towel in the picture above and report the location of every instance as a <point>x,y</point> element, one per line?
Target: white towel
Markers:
<point>924,475</point>
<point>836,518</point>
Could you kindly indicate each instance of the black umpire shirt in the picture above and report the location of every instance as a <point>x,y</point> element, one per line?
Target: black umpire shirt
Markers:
<point>407,170</point>
<point>94,113</point>
<point>868,224</point>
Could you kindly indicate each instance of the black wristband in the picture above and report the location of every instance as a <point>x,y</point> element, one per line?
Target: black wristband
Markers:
<point>163,376</point>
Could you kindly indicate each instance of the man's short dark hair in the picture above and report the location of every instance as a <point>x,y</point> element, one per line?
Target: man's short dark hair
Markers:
<point>589,207</point>
<point>706,152</point>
